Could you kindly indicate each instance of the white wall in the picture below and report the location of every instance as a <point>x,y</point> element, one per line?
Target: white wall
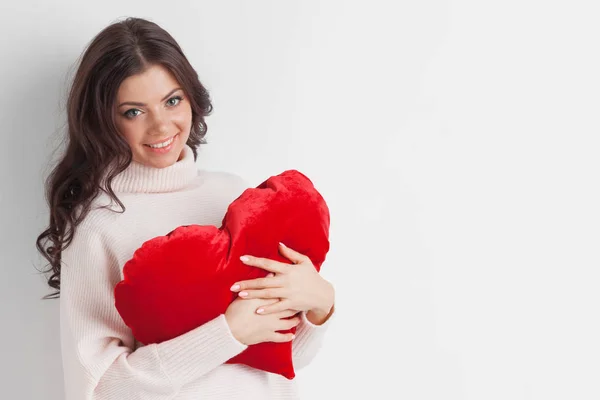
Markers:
<point>455,141</point>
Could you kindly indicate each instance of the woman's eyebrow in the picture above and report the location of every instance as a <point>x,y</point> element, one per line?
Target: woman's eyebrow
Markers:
<point>133,103</point>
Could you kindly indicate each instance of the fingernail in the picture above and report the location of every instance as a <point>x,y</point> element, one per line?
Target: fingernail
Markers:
<point>235,287</point>
<point>243,294</point>
<point>293,337</point>
<point>260,310</point>
<point>270,275</point>
<point>282,244</point>
<point>244,258</point>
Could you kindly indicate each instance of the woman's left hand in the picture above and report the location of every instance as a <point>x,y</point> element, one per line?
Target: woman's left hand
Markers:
<point>298,286</point>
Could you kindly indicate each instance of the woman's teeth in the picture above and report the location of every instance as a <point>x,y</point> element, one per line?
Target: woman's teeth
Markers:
<point>163,144</point>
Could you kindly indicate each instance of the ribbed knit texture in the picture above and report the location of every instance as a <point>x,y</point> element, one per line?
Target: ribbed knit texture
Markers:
<point>101,358</point>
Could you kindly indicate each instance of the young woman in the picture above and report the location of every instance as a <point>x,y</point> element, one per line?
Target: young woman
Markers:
<point>135,120</point>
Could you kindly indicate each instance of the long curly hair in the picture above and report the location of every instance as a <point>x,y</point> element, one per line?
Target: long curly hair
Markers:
<point>95,151</point>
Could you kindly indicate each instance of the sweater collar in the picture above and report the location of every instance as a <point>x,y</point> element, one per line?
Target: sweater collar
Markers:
<point>140,178</point>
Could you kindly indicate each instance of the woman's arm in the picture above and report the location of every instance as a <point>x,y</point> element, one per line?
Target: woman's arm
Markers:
<point>309,338</point>
<point>97,347</point>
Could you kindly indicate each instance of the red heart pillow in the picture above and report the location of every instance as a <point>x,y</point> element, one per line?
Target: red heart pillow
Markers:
<point>177,282</point>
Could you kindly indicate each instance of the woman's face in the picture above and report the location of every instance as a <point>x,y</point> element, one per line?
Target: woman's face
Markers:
<point>152,108</point>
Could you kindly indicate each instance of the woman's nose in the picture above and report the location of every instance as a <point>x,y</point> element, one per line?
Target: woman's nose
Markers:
<point>159,126</point>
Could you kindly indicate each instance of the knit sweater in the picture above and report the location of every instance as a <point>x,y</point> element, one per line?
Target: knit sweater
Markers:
<point>101,358</point>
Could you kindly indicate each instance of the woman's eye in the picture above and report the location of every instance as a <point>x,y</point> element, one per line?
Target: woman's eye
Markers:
<point>177,98</point>
<point>173,101</point>
<point>128,113</point>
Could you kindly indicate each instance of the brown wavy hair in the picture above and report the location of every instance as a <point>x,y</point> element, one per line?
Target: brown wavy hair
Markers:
<point>95,151</point>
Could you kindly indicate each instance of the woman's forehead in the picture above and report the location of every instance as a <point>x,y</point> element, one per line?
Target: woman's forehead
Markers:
<point>151,85</point>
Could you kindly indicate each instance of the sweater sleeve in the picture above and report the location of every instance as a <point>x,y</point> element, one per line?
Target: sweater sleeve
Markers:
<point>308,340</point>
<point>99,362</point>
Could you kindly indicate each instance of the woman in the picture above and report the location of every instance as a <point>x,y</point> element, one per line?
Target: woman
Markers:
<point>135,120</point>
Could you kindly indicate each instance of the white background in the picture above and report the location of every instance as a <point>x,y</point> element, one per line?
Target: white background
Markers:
<point>456,143</point>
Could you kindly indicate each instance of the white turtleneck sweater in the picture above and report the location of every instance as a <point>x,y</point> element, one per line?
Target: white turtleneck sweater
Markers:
<point>101,358</point>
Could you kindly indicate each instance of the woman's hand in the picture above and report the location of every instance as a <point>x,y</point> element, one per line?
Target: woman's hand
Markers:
<point>298,286</point>
<point>249,328</point>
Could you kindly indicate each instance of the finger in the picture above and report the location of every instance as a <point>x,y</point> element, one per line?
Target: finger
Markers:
<point>286,324</point>
<point>285,313</point>
<point>283,306</point>
<point>292,255</point>
<point>271,293</point>
<point>281,337</point>
<point>264,263</point>
<point>258,283</point>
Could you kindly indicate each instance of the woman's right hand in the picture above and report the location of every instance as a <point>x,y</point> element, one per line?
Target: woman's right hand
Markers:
<point>250,328</point>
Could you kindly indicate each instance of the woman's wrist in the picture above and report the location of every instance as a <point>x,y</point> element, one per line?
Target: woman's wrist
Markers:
<point>321,313</point>
<point>319,317</point>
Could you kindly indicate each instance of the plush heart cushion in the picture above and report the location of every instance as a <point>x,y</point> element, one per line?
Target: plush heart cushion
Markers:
<point>177,282</point>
